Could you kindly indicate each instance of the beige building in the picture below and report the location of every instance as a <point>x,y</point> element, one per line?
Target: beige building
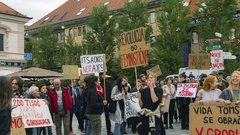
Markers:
<point>11,39</point>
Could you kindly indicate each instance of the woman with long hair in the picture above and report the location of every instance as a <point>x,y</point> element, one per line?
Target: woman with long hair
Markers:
<point>209,91</point>
<point>232,93</point>
<point>5,105</point>
<point>95,104</point>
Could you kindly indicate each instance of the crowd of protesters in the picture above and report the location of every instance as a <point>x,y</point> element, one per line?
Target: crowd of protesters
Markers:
<point>86,100</point>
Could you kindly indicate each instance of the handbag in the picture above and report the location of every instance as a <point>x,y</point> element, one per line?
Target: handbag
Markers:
<point>112,106</point>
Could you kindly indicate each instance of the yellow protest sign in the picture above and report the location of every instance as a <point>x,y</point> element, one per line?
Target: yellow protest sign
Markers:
<point>133,48</point>
<point>199,61</point>
<point>70,71</point>
<point>156,70</point>
<point>214,119</point>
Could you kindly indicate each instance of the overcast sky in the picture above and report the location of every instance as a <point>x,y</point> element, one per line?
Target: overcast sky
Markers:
<point>34,8</point>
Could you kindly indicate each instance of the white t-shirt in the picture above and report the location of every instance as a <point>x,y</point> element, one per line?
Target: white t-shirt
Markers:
<point>210,95</point>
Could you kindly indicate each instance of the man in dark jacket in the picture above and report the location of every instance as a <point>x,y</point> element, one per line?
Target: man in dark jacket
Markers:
<point>61,102</point>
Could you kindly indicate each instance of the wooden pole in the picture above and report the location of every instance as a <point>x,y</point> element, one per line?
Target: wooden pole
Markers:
<point>73,92</point>
<point>104,76</point>
<point>136,77</point>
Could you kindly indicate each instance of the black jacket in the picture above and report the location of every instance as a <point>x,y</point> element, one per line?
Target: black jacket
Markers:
<point>94,102</point>
<point>5,117</point>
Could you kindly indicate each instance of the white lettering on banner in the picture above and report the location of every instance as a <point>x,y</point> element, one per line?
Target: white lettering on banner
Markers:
<point>92,63</point>
<point>186,90</point>
<point>217,60</point>
<point>34,112</point>
<point>132,106</point>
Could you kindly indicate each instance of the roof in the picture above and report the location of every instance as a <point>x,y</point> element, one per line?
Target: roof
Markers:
<point>193,5</point>
<point>71,10</point>
<point>5,9</point>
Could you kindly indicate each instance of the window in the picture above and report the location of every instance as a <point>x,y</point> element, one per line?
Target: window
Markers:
<point>1,42</point>
<point>84,30</point>
<point>194,37</point>
<point>79,31</point>
<point>75,32</point>
<point>80,11</point>
<point>70,32</point>
<point>152,17</point>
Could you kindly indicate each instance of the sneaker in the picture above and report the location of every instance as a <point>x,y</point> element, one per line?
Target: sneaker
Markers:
<point>71,133</point>
<point>110,133</point>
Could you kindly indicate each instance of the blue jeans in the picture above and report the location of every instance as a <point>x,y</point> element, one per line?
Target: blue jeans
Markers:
<point>88,128</point>
<point>117,129</point>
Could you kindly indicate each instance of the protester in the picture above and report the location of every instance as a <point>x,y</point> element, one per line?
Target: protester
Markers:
<point>5,105</point>
<point>17,85</point>
<point>149,99</point>
<point>61,102</point>
<point>95,104</point>
<point>166,102</point>
<point>184,105</point>
<point>34,94</point>
<point>170,103</point>
<point>76,95</point>
<point>209,92</point>
<point>232,93</point>
<point>108,96</point>
<point>44,95</point>
<point>117,95</point>
<point>223,84</point>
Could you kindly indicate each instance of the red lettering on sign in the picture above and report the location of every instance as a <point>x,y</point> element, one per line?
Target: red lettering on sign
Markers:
<point>201,131</point>
<point>134,59</point>
<point>17,123</point>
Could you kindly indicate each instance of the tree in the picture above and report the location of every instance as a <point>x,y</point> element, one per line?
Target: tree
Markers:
<point>103,35</point>
<point>173,23</point>
<point>45,49</point>
<point>71,51</point>
<point>219,16</point>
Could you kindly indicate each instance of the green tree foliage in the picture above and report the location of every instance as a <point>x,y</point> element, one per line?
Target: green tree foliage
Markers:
<point>219,16</point>
<point>102,37</point>
<point>44,48</point>
<point>72,51</point>
<point>174,23</point>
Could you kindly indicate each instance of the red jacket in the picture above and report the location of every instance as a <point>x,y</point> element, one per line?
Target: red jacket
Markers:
<point>67,100</point>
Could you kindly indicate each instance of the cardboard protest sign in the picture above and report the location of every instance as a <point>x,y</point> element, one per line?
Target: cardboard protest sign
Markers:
<point>217,60</point>
<point>133,48</point>
<point>34,112</point>
<point>214,119</point>
<point>17,127</point>
<point>186,90</point>
<point>92,63</point>
<point>70,71</point>
<point>199,61</point>
<point>132,106</point>
<point>156,70</point>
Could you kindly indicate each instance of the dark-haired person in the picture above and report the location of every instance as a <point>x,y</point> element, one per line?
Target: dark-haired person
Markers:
<point>5,105</point>
<point>95,105</point>
<point>17,85</point>
<point>149,99</point>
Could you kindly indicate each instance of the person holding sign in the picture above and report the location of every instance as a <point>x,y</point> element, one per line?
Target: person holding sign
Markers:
<point>232,93</point>
<point>209,92</point>
<point>149,99</point>
<point>5,105</point>
<point>17,85</point>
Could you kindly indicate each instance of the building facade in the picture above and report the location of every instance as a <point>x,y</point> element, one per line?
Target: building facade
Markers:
<point>11,38</point>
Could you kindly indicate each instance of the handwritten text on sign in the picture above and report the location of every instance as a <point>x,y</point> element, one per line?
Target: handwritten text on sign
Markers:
<point>132,106</point>
<point>214,119</point>
<point>217,60</point>
<point>133,48</point>
<point>17,127</point>
<point>186,89</point>
<point>92,63</point>
<point>34,112</point>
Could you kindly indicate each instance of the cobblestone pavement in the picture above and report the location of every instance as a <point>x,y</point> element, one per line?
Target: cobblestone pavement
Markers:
<point>176,131</point>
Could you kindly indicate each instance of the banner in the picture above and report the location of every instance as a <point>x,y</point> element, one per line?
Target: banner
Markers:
<point>214,119</point>
<point>70,71</point>
<point>17,127</point>
<point>34,112</point>
<point>156,70</point>
<point>132,106</point>
<point>186,90</point>
<point>199,61</point>
<point>133,48</point>
<point>217,60</point>
<point>92,63</point>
